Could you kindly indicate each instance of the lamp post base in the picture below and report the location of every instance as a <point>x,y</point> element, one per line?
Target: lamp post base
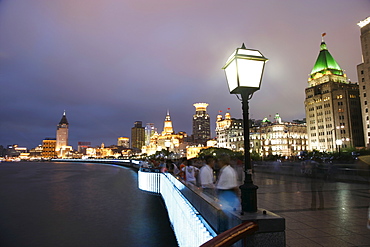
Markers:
<point>248,197</point>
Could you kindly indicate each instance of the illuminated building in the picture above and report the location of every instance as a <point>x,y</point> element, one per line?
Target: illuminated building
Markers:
<point>332,105</point>
<point>137,136</point>
<point>278,138</point>
<point>48,148</point>
<point>363,75</point>
<point>62,133</point>
<point>101,152</point>
<point>168,139</point>
<point>36,153</point>
<point>267,138</point>
<point>123,142</point>
<point>229,133</point>
<point>201,124</point>
<point>82,146</point>
<point>17,152</point>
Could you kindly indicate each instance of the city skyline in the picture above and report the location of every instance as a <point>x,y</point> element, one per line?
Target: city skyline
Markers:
<point>108,71</point>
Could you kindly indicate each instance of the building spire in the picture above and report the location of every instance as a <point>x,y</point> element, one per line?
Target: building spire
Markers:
<point>64,120</point>
<point>322,37</point>
<point>167,129</point>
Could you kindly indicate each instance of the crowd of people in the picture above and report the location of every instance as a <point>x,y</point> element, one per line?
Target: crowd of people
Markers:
<point>218,178</point>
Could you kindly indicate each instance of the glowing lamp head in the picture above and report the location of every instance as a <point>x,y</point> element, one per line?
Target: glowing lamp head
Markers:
<point>244,70</point>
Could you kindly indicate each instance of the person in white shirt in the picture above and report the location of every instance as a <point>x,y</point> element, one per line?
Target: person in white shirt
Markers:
<point>190,173</point>
<point>227,187</point>
<point>206,176</point>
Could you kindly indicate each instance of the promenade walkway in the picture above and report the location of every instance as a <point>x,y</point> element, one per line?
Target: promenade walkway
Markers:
<point>341,222</point>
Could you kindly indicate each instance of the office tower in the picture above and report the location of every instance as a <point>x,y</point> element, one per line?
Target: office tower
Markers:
<point>48,148</point>
<point>201,124</point>
<point>363,75</point>
<point>149,132</point>
<point>137,136</point>
<point>332,104</point>
<point>62,133</point>
<point>123,142</point>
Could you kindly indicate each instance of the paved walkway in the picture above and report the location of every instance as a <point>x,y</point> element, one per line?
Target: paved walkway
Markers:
<point>340,220</point>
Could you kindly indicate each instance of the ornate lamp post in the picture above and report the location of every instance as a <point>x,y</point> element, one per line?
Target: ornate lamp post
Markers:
<point>244,70</point>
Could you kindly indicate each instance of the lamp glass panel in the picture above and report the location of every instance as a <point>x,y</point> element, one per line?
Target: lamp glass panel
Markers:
<point>249,53</point>
<point>231,75</point>
<point>250,72</point>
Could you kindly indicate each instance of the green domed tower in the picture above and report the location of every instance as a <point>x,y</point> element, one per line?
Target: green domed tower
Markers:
<point>333,111</point>
<point>326,68</point>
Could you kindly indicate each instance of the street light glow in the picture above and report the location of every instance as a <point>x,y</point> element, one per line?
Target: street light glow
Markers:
<point>244,70</point>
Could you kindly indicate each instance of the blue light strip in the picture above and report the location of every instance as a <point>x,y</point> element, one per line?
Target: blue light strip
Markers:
<point>189,226</point>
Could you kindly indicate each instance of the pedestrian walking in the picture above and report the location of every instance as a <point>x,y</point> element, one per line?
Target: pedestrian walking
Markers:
<point>206,176</point>
<point>227,187</point>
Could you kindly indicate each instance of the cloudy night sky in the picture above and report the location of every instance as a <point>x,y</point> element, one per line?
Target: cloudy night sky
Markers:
<point>113,62</point>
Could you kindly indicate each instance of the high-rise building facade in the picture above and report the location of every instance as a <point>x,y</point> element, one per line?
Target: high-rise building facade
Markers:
<point>149,132</point>
<point>363,75</point>
<point>62,133</point>
<point>201,124</point>
<point>332,104</point>
<point>48,148</point>
<point>137,136</point>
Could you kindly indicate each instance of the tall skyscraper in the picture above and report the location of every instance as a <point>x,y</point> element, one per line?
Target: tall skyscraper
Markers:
<point>363,75</point>
<point>332,104</point>
<point>62,133</point>
<point>137,136</point>
<point>201,124</point>
<point>149,132</point>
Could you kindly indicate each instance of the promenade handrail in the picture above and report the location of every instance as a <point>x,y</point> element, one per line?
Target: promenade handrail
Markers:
<point>233,235</point>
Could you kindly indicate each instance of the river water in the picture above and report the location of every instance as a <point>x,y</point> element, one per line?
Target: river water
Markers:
<point>78,204</point>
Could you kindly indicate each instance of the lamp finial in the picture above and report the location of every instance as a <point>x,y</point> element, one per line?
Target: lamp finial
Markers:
<point>243,46</point>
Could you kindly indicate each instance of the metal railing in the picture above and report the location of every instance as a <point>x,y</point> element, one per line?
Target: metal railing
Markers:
<point>190,228</point>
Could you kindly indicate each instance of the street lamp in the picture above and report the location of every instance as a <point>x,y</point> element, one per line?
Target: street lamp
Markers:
<point>339,143</point>
<point>244,70</point>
